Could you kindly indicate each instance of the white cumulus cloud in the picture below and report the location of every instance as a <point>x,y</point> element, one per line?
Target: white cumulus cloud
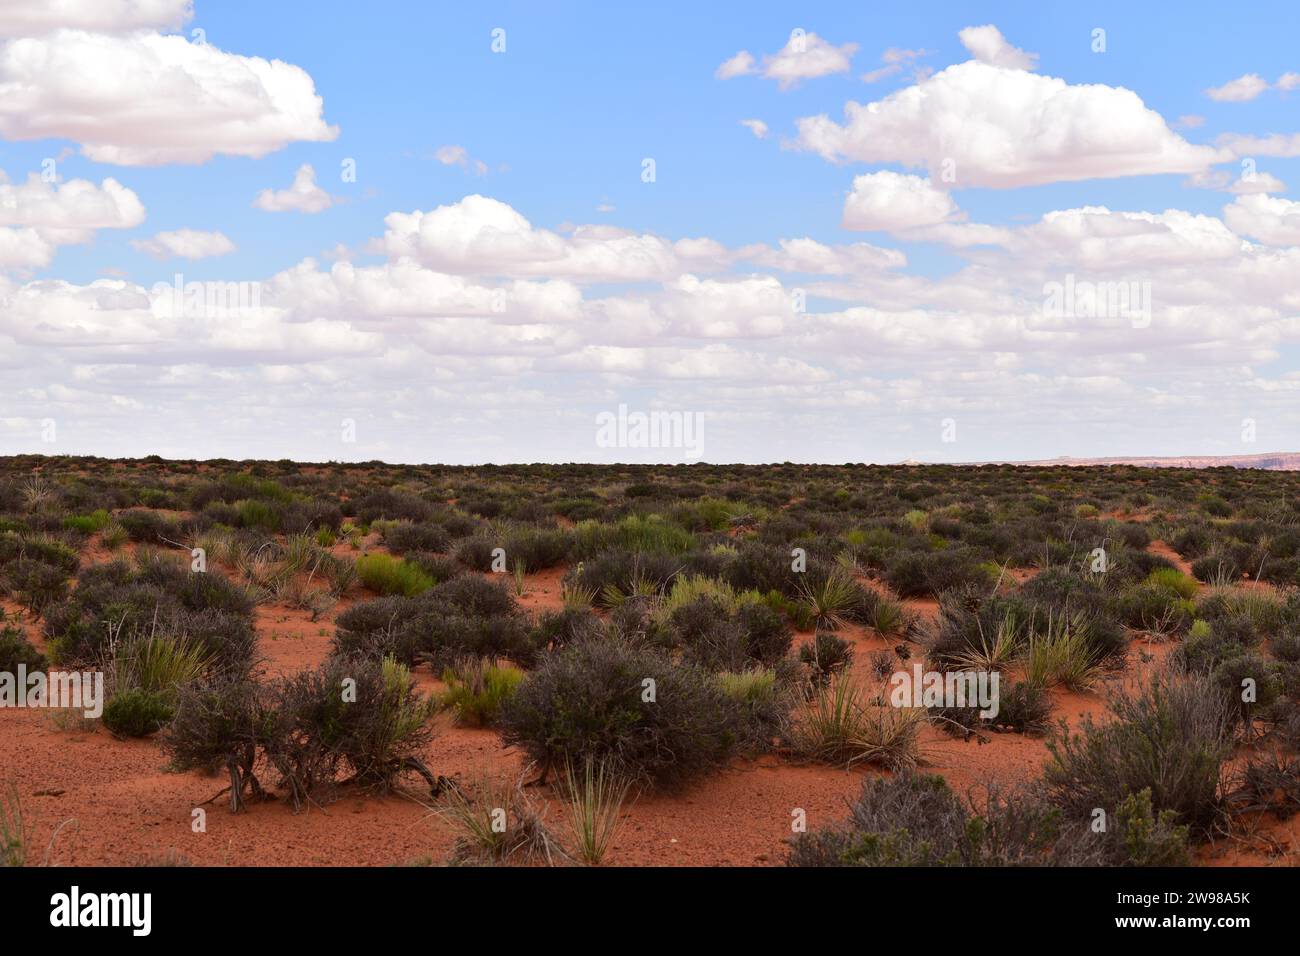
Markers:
<point>805,56</point>
<point>988,45</point>
<point>1241,90</point>
<point>1002,128</point>
<point>145,99</point>
<point>1272,220</point>
<point>21,18</point>
<point>302,196</point>
<point>185,244</point>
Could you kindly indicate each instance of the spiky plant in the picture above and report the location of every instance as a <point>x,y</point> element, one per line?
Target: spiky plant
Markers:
<point>595,796</point>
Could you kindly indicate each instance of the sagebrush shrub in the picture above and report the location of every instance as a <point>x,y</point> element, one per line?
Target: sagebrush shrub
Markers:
<point>1170,737</point>
<point>15,649</point>
<point>592,701</point>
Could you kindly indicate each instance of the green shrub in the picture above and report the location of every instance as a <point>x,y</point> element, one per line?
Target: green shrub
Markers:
<point>592,702</point>
<point>389,575</point>
<point>1170,737</point>
<point>476,692</point>
<point>15,649</point>
<point>35,584</point>
<point>1171,579</point>
<point>88,524</point>
<point>764,700</point>
<point>137,712</point>
<point>827,656</point>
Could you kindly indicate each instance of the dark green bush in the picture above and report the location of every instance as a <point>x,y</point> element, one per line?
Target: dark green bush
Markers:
<point>591,701</point>
<point>15,649</point>
<point>34,584</point>
<point>137,712</point>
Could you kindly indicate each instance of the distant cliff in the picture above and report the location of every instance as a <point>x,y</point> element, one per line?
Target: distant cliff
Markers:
<point>1271,461</point>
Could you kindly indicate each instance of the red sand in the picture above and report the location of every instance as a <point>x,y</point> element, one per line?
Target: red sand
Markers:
<point>113,802</point>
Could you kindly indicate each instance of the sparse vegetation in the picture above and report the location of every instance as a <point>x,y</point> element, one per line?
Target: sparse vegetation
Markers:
<point>685,621</point>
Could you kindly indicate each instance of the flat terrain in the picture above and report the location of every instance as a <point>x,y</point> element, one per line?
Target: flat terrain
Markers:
<point>918,540</point>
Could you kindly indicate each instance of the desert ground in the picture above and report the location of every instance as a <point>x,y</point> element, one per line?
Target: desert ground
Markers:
<point>506,615</point>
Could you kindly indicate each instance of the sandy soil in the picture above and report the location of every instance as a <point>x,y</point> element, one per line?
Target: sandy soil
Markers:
<point>92,799</point>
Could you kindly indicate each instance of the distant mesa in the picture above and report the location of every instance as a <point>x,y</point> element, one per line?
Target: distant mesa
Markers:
<point>1271,461</point>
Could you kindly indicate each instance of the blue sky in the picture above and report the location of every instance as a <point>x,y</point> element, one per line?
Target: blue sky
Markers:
<point>561,122</point>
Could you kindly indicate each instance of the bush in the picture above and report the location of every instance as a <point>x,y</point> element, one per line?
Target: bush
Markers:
<point>35,584</point>
<point>389,575</point>
<point>925,574</point>
<point>759,567</point>
<point>404,536</point>
<point>466,616</point>
<point>156,595</point>
<point>764,700</point>
<point>476,553</point>
<point>914,820</point>
<point>614,575</point>
<point>590,702</point>
<point>15,649</point>
<point>556,629</point>
<point>729,636</point>
<point>137,712</point>
<point>148,527</point>
<point>1170,737</point>
<point>827,656</point>
<point>537,548</point>
<point>477,691</point>
<point>356,715</point>
<point>1023,708</point>
<point>222,724</point>
<point>1155,609</point>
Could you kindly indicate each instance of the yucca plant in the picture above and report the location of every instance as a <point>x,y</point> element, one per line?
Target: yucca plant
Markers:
<point>996,650</point>
<point>1061,654</point>
<point>831,599</point>
<point>887,618</point>
<point>341,574</point>
<point>495,823</point>
<point>156,663</point>
<point>520,581</point>
<point>114,536</point>
<point>836,725</point>
<point>595,796</point>
<point>36,492</point>
<point>577,595</point>
<point>613,596</point>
